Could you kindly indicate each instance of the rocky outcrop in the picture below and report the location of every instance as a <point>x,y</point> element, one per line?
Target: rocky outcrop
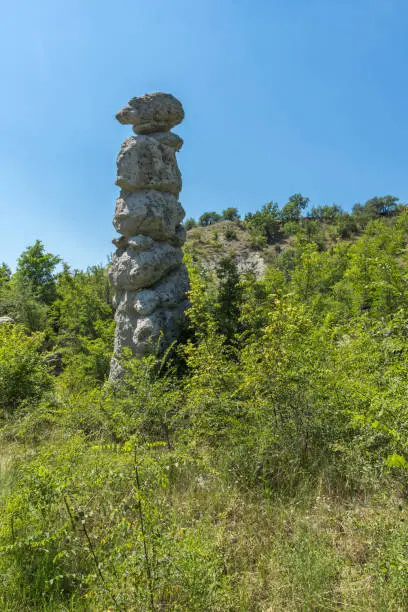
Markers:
<point>6,320</point>
<point>147,271</point>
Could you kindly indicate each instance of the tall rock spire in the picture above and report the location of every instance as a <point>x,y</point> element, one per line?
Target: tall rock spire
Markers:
<point>147,271</point>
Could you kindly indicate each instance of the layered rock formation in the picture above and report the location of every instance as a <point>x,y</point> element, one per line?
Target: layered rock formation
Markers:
<point>147,270</point>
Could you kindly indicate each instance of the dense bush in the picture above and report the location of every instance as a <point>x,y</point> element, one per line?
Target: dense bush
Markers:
<point>190,224</point>
<point>23,373</point>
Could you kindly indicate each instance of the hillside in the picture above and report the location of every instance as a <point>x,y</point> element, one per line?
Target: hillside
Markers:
<point>208,245</point>
<point>260,464</point>
<point>257,241</point>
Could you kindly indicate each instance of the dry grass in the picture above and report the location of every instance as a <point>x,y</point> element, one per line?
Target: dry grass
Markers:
<point>314,552</point>
<point>210,244</point>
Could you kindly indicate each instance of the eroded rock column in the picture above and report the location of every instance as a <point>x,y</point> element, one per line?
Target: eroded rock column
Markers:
<point>147,270</point>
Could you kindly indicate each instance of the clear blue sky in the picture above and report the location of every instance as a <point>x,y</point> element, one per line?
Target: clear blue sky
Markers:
<point>281,96</point>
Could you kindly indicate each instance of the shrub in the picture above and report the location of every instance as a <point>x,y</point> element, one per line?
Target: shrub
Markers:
<point>209,218</point>
<point>230,234</point>
<point>230,214</point>
<point>265,222</point>
<point>23,374</point>
<point>257,240</point>
<point>190,224</point>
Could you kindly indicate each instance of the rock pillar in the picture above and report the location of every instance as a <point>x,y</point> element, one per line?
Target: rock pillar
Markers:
<point>146,270</point>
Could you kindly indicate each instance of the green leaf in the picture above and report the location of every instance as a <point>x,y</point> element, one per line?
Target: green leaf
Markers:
<point>396,461</point>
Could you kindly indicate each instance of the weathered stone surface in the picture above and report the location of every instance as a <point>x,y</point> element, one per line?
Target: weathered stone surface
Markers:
<point>138,243</point>
<point>179,237</point>
<point>147,334</point>
<point>154,213</point>
<point>158,330</point>
<point>116,370</point>
<point>133,268</point>
<point>144,163</point>
<point>156,112</point>
<point>167,138</point>
<point>167,293</point>
<point>125,325</point>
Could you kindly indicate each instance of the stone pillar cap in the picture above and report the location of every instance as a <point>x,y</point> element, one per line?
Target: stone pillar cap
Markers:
<point>155,112</point>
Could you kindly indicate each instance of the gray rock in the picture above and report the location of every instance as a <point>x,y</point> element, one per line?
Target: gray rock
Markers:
<point>150,281</point>
<point>136,243</point>
<point>116,370</point>
<point>134,268</point>
<point>6,320</point>
<point>148,334</point>
<point>125,325</point>
<point>179,237</point>
<point>144,163</point>
<point>140,243</point>
<point>167,138</point>
<point>155,112</point>
<point>153,213</point>
<point>157,331</point>
<point>167,293</point>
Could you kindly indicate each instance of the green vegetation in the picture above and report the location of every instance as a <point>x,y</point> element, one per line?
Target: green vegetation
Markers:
<point>209,218</point>
<point>271,224</point>
<point>261,464</point>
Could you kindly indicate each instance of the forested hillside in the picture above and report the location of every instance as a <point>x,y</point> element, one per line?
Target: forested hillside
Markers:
<point>260,464</point>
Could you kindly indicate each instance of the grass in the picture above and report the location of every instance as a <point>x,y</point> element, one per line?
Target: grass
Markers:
<point>312,552</point>
<point>221,548</point>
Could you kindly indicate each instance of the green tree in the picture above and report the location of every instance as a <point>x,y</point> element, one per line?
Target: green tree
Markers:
<point>190,224</point>
<point>311,230</point>
<point>37,268</point>
<point>230,214</point>
<point>375,274</point>
<point>326,213</point>
<point>209,218</point>
<point>82,319</point>
<point>83,299</point>
<point>23,375</point>
<point>346,225</point>
<point>229,298</point>
<point>5,273</point>
<point>384,205</point>
<point>265,222</point>
<point>292,211</point>
<point>19,301</point>
<point>374,207</point>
